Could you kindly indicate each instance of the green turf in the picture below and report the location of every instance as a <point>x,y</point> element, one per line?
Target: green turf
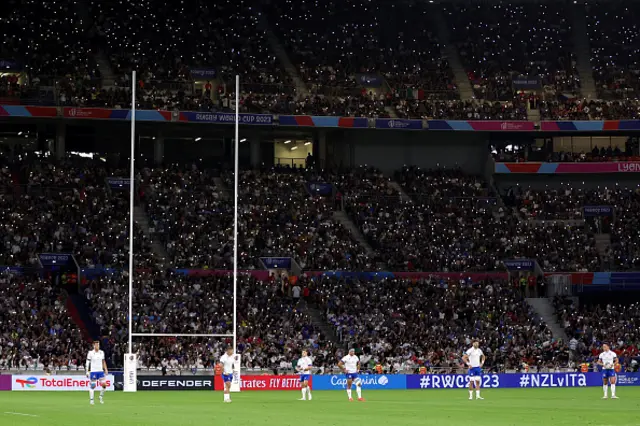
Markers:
<point>545,407</point>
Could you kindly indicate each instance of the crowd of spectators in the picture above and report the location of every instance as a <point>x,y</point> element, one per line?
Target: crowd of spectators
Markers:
<point>407,323</point>
<point>362,40</point>
<point>444,227</point>
<point>453,222</point>
<point>388,324</point>
<point>66,207</point>
<point>576,109</point>
<point>48,40</point>
<point>278,217</point>
<point>166,40</point>
<point>567,204</point>
<point>65,44</point>
<point>613,35</point>
<point>499,42</point>
<point>272,326</point>
<point>37,332</point>
<point>443,220</point>
<point>589,325</point>
<point>459,110</point>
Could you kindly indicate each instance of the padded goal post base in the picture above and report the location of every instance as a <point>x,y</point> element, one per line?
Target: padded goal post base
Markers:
<point>130,379</point>
<point>235,382</point>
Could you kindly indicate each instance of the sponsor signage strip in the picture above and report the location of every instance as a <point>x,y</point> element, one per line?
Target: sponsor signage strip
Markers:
<point>55,383</point>
<point>368,381</point>
<point>163,383</point>
<point>433,381</point>
<point>559,168</point>
<point>491,126</point>
<point>248,383</point>
<point>7,110</point>
<point>323,121</point>
<point>5,382</point>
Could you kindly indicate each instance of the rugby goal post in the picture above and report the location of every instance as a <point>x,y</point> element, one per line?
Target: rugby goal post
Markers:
<point>130,380</point>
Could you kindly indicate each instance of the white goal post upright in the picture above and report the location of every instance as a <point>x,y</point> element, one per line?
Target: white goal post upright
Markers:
<point>235,384</point>
<point>130,381</point>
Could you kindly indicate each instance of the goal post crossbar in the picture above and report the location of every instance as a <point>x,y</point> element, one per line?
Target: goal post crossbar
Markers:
<point>179,335</point>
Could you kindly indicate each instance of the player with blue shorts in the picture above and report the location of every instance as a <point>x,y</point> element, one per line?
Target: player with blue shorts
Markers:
<point>350,365</point>
<point>227,360</point>
<point>608,360</point>
<point>96,371</point>
<point>304,366</point>
<point>474,358</point>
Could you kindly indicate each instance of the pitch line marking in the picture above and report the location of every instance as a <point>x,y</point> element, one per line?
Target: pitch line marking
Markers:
<point>20,414</point>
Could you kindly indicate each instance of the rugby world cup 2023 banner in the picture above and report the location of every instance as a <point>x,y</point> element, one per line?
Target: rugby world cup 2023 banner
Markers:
<point>518,380</point>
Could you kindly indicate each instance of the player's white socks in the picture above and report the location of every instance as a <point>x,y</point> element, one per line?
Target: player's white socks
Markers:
<point>91,392</point>
<point>605,388</point>
<point>304,393</point>
<point>478,393</point>
<point>309,392</point>
<point>359,391</point>
<point>470,394</point>
<point>613,390</point>
<point>349,393</point>
<point>227,397</point>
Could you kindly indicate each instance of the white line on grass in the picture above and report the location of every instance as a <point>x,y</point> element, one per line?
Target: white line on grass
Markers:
<point>21,414</point>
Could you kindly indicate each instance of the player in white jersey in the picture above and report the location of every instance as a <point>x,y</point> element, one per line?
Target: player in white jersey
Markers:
<point>350,365</point>
<point>304,369</point>
<point>608,360</point>
<point>474,358</point>
<point>96,371</point>
<point>227,360</point>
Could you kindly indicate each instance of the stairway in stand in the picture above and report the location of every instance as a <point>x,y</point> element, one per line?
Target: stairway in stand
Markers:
<point>318,322</point>
<point>544,308</point>
<point>140,217</point>
<point>342,218</point>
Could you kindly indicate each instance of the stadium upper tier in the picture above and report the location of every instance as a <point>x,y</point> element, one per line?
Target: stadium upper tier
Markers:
<point>490,61</point>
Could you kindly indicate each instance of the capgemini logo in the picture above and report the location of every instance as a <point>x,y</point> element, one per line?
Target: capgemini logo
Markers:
<point>383,380</point>
<point>29,383</point>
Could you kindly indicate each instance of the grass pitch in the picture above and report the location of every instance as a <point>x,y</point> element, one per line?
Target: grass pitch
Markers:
<point>542,407</point>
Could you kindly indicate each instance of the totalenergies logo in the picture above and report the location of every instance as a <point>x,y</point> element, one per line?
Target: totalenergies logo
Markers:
<point>29,383</point>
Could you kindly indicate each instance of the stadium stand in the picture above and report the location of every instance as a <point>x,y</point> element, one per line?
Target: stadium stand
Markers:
<point>587,325</point>
<point>500,41</point>
<point>414,220</point>
<point>404,50</point>
<point>272,326</point>
<point>427,322</point>
<point>280,217</point>
<point>67,207</point>
<point>37,331</point>
<point>613,35</point>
